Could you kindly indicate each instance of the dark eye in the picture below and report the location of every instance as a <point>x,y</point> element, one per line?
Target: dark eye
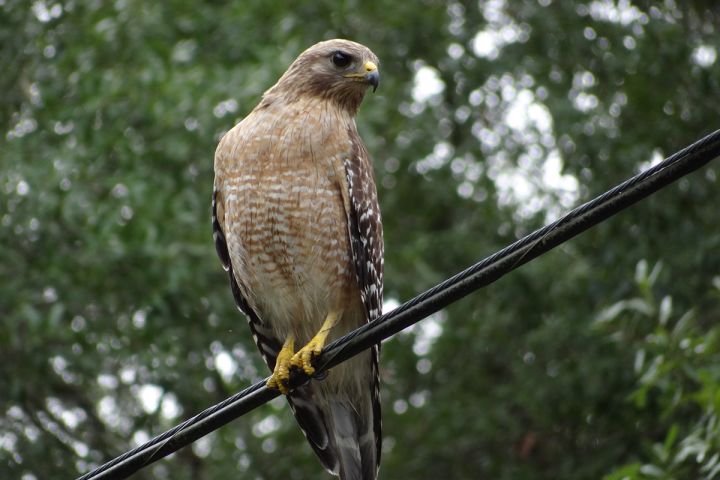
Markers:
<point>341,59</point>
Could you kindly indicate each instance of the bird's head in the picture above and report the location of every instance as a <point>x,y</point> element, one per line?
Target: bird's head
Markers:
<point>337,70</point>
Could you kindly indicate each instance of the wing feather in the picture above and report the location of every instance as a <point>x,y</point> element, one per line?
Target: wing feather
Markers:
<point>366,240</point>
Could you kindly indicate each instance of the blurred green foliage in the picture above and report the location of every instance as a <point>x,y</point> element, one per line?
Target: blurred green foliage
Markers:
<point>598,360</point>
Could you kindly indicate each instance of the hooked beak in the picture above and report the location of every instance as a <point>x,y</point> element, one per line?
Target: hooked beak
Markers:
<point>369,73</point>
<point>372,75</point>
<point>373,78</point>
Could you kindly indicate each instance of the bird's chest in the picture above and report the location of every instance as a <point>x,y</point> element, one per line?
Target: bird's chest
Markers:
<point>292,233</point>
<point>299,216</point>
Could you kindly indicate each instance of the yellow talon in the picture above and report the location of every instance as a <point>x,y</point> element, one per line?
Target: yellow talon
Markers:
<point>280,378</point>
<point>304,357</point>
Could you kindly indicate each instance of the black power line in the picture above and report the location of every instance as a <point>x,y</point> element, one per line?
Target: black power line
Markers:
<point>482,273</point>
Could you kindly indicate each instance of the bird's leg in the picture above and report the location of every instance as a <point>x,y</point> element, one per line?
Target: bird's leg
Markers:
<point>281,375</point>
<point>304,357</point>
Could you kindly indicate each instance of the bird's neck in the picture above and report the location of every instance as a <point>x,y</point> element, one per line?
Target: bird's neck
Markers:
<point>346,101</point>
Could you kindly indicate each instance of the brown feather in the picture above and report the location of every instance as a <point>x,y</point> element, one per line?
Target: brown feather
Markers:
<point>297,224</point>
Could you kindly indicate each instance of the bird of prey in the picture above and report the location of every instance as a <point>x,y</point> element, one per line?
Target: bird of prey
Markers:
<point>297,225</point>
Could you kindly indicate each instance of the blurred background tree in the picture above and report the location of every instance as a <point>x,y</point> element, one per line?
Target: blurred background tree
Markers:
<point>599,360</point>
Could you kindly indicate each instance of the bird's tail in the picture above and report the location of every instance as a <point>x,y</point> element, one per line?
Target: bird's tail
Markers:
<point>354,442</point>
<point>342,434</point>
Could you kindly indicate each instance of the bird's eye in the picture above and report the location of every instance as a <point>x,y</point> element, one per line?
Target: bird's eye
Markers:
<point>341,59</point>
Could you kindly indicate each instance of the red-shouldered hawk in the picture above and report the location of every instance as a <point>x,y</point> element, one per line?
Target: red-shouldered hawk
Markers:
<point>297,225</point>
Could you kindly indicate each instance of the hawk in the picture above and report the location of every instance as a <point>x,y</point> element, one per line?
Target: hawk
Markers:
<point>297,226</point>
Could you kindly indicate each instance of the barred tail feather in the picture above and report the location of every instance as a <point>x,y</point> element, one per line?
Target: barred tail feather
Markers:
<point>355,443</point>
<point>314,425</point>
<point>342,437</point>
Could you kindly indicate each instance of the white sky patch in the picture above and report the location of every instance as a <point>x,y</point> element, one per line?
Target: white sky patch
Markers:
<point>524,112</point>
<point>533,182</point>
<point>107,381</point>
<point>553,177</point>
<point>244,367</point>
<point>8,441</point>
<point>266,426</point>
<point>81,450</point>
<point>418,399</point>
<point>108,411</point>
<point>426,331</point>
<point>169,407</point>
<point>486,44</point>
<point>533,186</point>
<point>32,433</point>
<point>622,12</point>
<point>269,445</point>
<point>140,437</point>
<point>149,396</point>
<point>22,188</point>
<point>45,12</point>
<point>140,316</point>
<point>70,418</point>
<point>390,304</point>
<point>704,55</point>
<point>24,126</point>
<point>585,102</point>
<point>655,158</point>
<point>426,84</point>
<point>226,365</point>
<point>225,107</point>
<point>202,446</point>
<point>437,159</point>
<point>400,406</point>
<point>564,185</point>
<point>489,42</point>
<point>127,375</point>
<point>500,31</point>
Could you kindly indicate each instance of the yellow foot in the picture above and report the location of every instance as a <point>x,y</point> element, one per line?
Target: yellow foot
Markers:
<point>304,358</point>
<point>280,378</point>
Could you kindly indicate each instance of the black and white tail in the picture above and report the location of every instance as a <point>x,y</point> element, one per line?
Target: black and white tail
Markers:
<point>343,432</point>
